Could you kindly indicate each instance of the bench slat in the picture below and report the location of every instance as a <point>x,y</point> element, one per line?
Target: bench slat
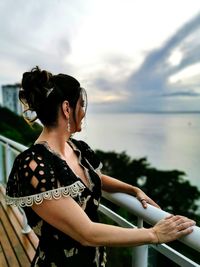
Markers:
<point>3,262</point>
<point>16,249</point>
<point>15,242</point>
<point>7,248</point>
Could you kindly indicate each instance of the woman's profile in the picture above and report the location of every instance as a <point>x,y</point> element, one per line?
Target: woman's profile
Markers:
<point>58,181</point>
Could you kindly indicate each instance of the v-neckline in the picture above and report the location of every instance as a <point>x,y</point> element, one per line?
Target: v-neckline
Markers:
<point>73,146</point>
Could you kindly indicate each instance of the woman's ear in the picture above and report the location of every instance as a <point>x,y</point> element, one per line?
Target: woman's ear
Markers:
<point>66,109</point>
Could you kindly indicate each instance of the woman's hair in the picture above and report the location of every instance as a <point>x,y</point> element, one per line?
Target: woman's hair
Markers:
<point>43,93</point>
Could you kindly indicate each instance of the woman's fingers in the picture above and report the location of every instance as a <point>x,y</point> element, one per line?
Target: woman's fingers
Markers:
<point>181,221</point>
<point>185,225</point>
<point>185,232</point>
<point>173,227</point>
<point>144,199</point>
<point>144,203</point>
<point>178,219</point>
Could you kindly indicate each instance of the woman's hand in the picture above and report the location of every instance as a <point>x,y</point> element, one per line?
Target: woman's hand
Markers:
<point>144,199</point>
<point>172,228</point>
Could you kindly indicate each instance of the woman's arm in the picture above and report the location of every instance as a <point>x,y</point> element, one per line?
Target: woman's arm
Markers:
<point>67,216</point>
<point>111,184</point>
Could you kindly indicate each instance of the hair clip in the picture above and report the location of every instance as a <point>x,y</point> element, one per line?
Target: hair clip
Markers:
<point>49,91</point>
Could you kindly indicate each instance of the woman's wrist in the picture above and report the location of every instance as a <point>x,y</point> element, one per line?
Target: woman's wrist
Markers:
<point>148,235</point>
<point>153,236</point>
<point>135,190</point>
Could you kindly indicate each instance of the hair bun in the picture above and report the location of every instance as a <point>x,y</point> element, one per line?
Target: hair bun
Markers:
<point>36,78</point>
<point>44,77</point>
<point>36,84</point>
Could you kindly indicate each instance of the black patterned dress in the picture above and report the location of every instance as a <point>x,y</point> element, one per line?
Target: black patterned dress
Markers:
<point>52,178</point>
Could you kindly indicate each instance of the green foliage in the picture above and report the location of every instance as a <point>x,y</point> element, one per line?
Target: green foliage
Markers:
<point>167,188</point>
<point>172,192</point>
<point>16,128</point>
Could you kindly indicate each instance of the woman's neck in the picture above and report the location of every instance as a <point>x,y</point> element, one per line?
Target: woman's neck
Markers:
<point>55,139</point>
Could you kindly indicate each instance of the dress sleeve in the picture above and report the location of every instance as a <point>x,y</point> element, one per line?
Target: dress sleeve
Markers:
<point>36,176</point>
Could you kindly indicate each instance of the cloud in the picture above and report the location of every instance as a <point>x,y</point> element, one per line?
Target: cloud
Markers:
<point>36,33</point>
<point>149,87</point>
<point>151,79</point>
<point>104,84</point>
<point>154,71</point>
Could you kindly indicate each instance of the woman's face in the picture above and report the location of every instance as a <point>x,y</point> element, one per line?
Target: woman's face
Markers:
<point>79,113</point>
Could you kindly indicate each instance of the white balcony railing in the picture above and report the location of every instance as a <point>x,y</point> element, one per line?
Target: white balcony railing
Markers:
<point>8,151</point>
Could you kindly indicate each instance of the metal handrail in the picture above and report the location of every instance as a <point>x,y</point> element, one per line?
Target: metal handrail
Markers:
<point>164,249</point>
<point>13,144</point>
<point>150,215</point>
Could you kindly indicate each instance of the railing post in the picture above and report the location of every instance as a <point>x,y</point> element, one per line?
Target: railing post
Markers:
<point>9,161</point>
<point>2,169</point>
<point>140,253</point>
<point>26,228</point>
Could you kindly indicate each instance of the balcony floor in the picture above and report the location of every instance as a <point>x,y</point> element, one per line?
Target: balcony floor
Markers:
<point>16,249</point>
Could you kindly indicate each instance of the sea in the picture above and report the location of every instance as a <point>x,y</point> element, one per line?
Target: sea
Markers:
<point>169,141</point>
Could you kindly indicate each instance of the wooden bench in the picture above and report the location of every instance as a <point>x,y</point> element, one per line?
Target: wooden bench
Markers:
<point>16,249</point>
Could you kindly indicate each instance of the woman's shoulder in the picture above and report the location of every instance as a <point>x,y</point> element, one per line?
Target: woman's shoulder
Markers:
<point>33,151</point>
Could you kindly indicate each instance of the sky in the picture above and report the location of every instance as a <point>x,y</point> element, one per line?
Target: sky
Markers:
<point>130,55</point>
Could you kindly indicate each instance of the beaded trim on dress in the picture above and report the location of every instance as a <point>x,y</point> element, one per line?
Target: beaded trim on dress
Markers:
<point>72,190</point>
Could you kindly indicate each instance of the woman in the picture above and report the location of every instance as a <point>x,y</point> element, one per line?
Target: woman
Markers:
<point>58,182</point>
